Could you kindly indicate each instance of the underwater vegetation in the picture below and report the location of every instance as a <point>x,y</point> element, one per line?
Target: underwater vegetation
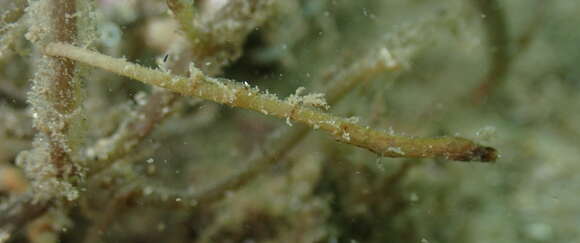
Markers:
<point>289,121</point>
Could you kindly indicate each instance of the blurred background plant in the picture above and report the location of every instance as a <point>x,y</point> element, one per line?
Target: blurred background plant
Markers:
<point>89,156</point>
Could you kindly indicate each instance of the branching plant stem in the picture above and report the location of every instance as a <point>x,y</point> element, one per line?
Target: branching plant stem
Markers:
<point>149,115</point>
<point>239,95</point>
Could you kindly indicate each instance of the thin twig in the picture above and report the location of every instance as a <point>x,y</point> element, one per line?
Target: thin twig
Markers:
<point>280,144</point>
<point>239,95</point>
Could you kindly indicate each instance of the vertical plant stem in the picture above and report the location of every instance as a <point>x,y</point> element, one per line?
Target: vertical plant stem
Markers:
<point>61,92</point>
<point>55,102</point>
<point>493,18</point>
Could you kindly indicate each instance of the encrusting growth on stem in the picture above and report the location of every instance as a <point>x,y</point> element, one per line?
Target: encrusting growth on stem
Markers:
<point>239,95</point>
<point>55,100</point>
<point>60,91</point>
